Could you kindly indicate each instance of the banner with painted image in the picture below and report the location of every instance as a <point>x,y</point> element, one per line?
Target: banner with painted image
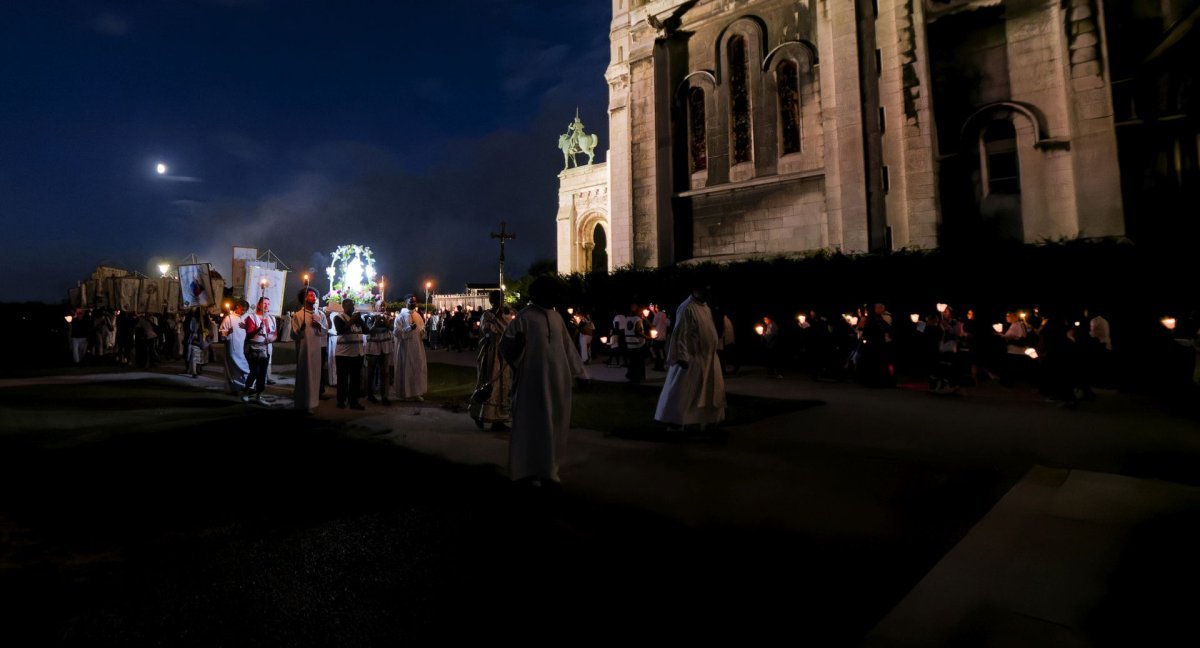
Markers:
<point>150,297</point>
<point>171,290</point>
<point>218,287</point>
<point>123,293</point>
<point>267,282</point>
<point>95,294</point>
<point>195,286</point>
<point>240,256</point>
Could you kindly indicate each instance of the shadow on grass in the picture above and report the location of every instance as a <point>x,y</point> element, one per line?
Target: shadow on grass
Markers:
<point>627,411</point>
<point>111,397</point>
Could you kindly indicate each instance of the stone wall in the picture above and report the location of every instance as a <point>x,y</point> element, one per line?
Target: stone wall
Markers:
<point>764,220</point>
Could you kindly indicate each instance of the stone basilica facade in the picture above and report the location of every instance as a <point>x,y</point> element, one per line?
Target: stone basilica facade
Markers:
<point>743,128</point>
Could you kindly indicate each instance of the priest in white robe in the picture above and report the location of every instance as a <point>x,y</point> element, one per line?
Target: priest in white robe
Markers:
<point>411,380</point>
<point>234,334</point>
<point>694,391</point>
<point>309,328</point>
<point>544,361</point>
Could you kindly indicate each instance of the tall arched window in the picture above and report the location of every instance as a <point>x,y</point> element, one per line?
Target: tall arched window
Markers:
<point>1001,166</point>
<point>739,101</point>
<point>697,133</point>
<point>787,79</point>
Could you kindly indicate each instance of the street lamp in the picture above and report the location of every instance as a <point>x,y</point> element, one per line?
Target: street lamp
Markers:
<point>428,286</point>
<point>163,268</point>
<point>382,283</point>
<point>161,168</point>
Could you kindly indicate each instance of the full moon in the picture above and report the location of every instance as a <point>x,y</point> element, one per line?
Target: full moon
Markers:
<point>161,168</point>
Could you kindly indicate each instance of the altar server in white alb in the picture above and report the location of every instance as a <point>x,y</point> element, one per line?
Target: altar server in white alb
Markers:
<point>694,391</point>
<point>411,371</point>
<point>309,328</point>
<point>234,334</point>
<point>544,361</point>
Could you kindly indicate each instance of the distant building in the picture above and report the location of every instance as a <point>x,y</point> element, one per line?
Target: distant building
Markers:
<point>762,127</point>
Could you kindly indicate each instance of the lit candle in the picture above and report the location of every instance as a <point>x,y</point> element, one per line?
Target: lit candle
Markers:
<point>570,311</point>
<point>68,318</point>
<point>1169,323</point>
<point>759,329</point>
<point>802,319</point>
<point>645,312</point>
<point>941,308</point>
<point>1031,352</point>
<point>999,328</point>
<point>1022,315</point>
<point>853,321</point>
<point>653,334</point>
<point>603,340</point>
<point>915,317</point>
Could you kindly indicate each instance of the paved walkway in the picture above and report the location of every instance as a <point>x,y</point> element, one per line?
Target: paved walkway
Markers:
<point>1029,571</point>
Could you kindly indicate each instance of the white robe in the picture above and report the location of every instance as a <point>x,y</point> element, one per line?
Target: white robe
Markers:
<point>236,366</point>
<point>308,329</point>
<point>411,371</point>
<point>544,361</point>
<point>695,394</point>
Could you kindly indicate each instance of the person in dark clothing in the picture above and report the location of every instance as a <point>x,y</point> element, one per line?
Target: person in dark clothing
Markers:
<point>874,361</point>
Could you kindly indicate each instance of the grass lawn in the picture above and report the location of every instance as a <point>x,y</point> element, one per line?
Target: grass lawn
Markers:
<point>617,409</point>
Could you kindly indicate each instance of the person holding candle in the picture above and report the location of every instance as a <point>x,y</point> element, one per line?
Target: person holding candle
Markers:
<point>309,328</point>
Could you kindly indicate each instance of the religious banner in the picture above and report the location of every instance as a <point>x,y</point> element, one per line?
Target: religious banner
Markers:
<point>95,294</point>
<point>170,288</point>
<point>123,293</point>
<point>266,282</point>
<point>240,256</point>
<point>150,298</point>
<point>218,292</point>
<point>195,286</point>
<point>102,274</point>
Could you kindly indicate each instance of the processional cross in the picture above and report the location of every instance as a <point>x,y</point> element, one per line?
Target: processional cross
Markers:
<point>503,236</point>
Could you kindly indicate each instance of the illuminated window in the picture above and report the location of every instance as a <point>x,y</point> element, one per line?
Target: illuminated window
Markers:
<point>739,99</point>
<point>787,78</point>
<point>697,138</point>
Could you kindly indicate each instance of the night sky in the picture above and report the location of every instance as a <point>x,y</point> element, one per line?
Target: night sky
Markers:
<point>411,127</point>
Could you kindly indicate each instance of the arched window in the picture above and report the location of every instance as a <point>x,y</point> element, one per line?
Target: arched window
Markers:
<point>1001,167</point>
<point>787,79</point>
<point>739,102</point>
<point>697,133</point>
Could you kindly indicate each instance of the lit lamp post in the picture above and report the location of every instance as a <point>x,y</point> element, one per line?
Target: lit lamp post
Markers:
<point>428,286</point>
<point>163,268</point>
<point>382,299</point>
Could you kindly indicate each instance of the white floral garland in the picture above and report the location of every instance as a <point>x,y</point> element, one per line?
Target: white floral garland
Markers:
<point>342,257</point>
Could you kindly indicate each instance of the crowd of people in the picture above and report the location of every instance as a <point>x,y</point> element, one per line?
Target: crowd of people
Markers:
<point>526,360</point>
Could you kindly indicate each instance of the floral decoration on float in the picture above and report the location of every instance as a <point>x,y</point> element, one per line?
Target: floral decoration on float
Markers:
<point>352,276</point>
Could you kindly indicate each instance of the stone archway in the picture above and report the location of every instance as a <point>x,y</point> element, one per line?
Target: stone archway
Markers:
<point>591,240</point>
<point>598,254</point>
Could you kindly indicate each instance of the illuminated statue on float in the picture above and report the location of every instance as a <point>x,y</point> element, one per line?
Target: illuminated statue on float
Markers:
<point>352,276</point>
